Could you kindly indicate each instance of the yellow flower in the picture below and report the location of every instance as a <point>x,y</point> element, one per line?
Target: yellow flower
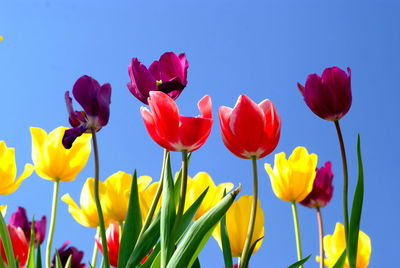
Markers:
<point>8,170</point>
<point>237,221</point>
<point>335,244</point>
<point>3,210</point>
<point>86,215</point>
<point>146,198</point>
<point>196,187</point>
<point>292,179</point>
<point>118,188</point>
<point>54,162</point>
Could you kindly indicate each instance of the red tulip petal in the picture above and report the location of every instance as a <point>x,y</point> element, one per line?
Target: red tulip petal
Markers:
<point>205,107</point>
<point>272,128</point>
<point>193,132</point>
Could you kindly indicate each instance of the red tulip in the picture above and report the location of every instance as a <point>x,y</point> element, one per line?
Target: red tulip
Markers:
<point>328,95</point>
<point>250,129</point>
<point>112,243</point>
<point>173,131</point>
<point>19,244</point>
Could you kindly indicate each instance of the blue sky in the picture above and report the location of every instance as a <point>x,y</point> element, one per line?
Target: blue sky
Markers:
<point>258,48</point>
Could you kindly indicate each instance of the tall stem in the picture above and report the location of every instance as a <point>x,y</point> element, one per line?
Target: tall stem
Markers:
<point>95,250</point>
<point>345,181</point>
<point>52,222</point>
<point>321,238</point>
<point>297,232</point>
<point>182,197</point>
<point>250,229</point>
<point>156,198</point>
<point>97,199</point>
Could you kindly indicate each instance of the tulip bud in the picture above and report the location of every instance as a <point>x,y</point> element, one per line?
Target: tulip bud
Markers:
<point>65,252</point>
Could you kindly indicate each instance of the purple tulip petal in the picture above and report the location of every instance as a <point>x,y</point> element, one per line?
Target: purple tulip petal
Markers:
<point>104,100</point>
<point>40,230</point>
<point>75,118</point>
<point>85,92</point>
<point>71,134</point>
<point>20,219</point>
<point>171,68</point>
<point>142,81</point>
<point>154,69</point>
<point>64,252</point>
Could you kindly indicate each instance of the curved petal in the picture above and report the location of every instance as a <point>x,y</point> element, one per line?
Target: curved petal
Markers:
<point>77,213</point>
<point>171,67</point>
<point>142,81</point>
<point>205,107</point>
<point>104,100</point>
<point>193,133</point>
<point>71,134</point>
<point>85,92</point>
<point>15,185</point>
<point>272,128</point>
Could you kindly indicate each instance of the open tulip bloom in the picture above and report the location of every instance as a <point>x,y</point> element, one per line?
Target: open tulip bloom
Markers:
<point>166,223</point>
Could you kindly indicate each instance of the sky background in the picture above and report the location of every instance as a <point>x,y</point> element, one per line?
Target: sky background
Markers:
<point>258,48</point>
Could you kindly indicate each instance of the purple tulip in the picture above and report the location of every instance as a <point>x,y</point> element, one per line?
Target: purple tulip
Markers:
<point>322,190</point>
<point>20,219</point>
<point>329,95</point>
<point>95,101</point>
<point>64,252</point>
<point>169,75</point>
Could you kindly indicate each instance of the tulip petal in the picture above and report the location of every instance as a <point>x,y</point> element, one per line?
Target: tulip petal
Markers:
<point>193,132</point>
<point>15,185</point>
<point>71,134</point>
<point>85,92</point>
<point>77,213</point>
<point>171,67</point>
<point>205,107</point>
<point>142,81</point>
<point>104,100</point>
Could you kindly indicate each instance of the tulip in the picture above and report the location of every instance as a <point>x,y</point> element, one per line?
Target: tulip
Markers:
<point>54,162</point>
<point>86,215</point>
<point>196,187</point>
<point>322,189</point>
<point>8,168</point>
<point>20,219</point>
<point>237,220</point>
<point>335,244</point>
<point>95,101</point>
<point>329,95</point>
<point>118,188</point>
<point>168,75</point>
<point>173,131</point>
<point>112,243</point>
<point>146,197</point>
<point>250,129</point>
<point>19,243</point>
<point>65,252</point>
<point>3,210</point>
<point>292,179</point>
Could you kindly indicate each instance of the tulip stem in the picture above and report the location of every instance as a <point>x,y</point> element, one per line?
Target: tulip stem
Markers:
<point>321,238</point>
<point>52,222</point>
<point>345,181</point>
<point>95,250</point>
<point>156,198</point>
<point>250,229</point>
<point>97,199</point>
<point>182,196</point>
<point>297,232</point>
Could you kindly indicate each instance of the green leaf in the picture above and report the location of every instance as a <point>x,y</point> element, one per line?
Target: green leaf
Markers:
<point>31,257</point>
<point>196,263</point>
<point>251,249</point>
<point>199,232</point>
<point>58,263</point>
<point>168,215</point>
<point>133,225</point>
<point>69,261</point>
<point>2,264</point>
<point>157,261</point>
<point>340,262</point>
<point>300,262</point>
<point>356,210</point>
<point>226,245</point>
<point>38,257</point>
<point>5,238</point>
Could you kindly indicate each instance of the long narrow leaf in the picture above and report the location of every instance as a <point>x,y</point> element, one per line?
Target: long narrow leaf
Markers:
<point>31,257</point>
<point>5,238</point>
<point>226,245</point>
<point>340,262</point>
<point>192,243</point>
<point>167,216</point>
<point>299,263</point>
<point>356,210</point>
<point>69,262</point>
<point>196,263</point>
<point>253,246</point>
<point>38,257</point>
<point>58,263</point>
<point>132,227</point>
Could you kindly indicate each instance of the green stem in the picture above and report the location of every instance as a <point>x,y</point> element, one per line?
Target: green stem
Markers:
<point>52,222</point>
<point>321,238</point>
<point>297,231</point>
<point>250,229</point>
<point>345,181</point>
<point>156,198</point>
<point>5,237</point>
<point>95,250</point>
<point>182,196</point>
<point>97,200</point>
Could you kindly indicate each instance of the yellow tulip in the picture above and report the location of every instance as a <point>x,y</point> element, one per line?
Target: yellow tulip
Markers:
<point>146,198</point>
<point>86,215</point>
<point>335,244</point>
<point>8,170</point>
<point>197,185</point>
<point>118,188</point>
<point>3,210</point>
<point>292,179</point>
<point>52,161</point>
<point>237,221</point>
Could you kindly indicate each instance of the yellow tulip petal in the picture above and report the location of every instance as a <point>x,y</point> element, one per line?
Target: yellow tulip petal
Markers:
<point>3,210</point>
<point>77,213</point>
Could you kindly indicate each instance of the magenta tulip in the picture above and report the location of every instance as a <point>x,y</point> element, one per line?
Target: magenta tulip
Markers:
<point>64,252</point>
<point>20,219</point>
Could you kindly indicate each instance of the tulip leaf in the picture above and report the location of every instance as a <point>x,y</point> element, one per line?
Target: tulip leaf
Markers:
<point>167,216</point>
<point>196,263</point>
<point>356,210</point>
<point>69,261</point>
<point>157,261</point>
<point>58,263</point>
<point>251,249</point>
<point>299,263</point>
<point>38,257</point>
<point>198,234</point>
<point>31,257</point>
<point>153,258</point>
<point>133,225</point>
<point>340,262</point>
<point>5,238</point>
<point>226,245</point>
<point>2,263</point>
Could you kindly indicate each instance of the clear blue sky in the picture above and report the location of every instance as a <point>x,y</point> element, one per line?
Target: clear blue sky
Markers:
<point>258,48</point>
